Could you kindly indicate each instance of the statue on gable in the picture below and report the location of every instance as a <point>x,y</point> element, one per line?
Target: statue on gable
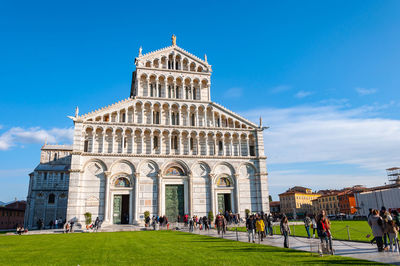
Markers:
<point>77,111</point>
<point>140,51</point>
<point>173,38</point>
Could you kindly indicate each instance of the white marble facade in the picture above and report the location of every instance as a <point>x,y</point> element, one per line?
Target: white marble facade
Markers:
<point>168,132</point>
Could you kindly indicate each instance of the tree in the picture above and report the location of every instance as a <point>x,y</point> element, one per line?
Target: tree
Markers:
<point>270,198</point>
<point>88,218</point>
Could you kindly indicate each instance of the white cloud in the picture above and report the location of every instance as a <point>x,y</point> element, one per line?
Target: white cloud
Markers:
<point>280,88</point>
<point>18,136</point>
<point>330,134</point>
<point>302,94</point>
<point>364,91</point>
<point>234,93</point>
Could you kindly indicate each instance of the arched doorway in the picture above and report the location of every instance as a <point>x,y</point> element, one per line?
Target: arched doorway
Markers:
<point>121,199</point>
<point>224,192</point>
<point>175,193</point>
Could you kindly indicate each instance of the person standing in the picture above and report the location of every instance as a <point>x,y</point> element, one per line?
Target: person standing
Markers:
<point>376,224</point>
<point>270,221</point>
<point>56,224</point>
<point>324,226</point>
<point>285,231</point>
<point>191,225</point>
<point>260,227</point>
<point>307,223</point>
<point>386,217</point>
<point>250,225</point>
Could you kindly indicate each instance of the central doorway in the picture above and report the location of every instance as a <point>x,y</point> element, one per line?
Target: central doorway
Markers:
<point>174,202</point>
<point>121,209</point>
<point>224,202</point>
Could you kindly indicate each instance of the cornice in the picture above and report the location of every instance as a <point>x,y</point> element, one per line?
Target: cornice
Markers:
<point>89,154</point>
<point>173,70</point>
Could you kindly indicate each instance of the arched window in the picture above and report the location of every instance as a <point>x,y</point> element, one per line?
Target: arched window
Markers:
<point>122,182</point>
<point>224,181</point>
<point>156,117</point>
<point>123,117</point>
<point>151,90</point>
<point>177,92</point>
<point>155,141</point>
<point>169,91</point>
<point>192,120</point>
<point>86,146</point>
<point>174,171</point>
<point>194,93</point>
<point>174,142</point>
<point>191,143</point>
<point>173,118</point>
<point>220,145</point>
<point>55,156</point>
<point>52,198</point>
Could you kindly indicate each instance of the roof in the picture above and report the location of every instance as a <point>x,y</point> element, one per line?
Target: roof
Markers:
<point>380,188</point>
<point>52,167</point>
<point>57,147</point>
<point>274,203</point>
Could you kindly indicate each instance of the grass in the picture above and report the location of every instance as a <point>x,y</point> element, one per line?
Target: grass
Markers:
<point>150,247</point>
<point>358,230</point>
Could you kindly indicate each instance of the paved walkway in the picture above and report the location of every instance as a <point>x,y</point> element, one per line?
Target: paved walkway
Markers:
<point>357,250</point>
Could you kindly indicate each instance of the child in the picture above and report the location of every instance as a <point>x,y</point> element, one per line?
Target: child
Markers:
<point>393,230</point>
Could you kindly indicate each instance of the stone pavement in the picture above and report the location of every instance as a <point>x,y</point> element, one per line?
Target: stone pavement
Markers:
<point>357,250</point>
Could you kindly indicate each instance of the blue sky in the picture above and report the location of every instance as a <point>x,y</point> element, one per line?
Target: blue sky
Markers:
<point>324,75</point>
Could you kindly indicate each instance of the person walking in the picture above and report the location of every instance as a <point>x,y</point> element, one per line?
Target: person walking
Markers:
<point>314,225</point>
<point>307,223</point>
<point>250,226</point>
<point>323,227</point>
<point>393,230</point>
<point>260,228</point>
<point>220,223</point>
<point>285,231</point>
<point>376,224</point>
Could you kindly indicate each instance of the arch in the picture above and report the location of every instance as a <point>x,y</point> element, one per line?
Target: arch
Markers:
<point>224,180</point>
<point>247,164</point>
<point>228,165</point>
<point>122,162</point>
<point>121,182</point>
<point>206,169</point>
<point>103,165</point>
<point>153,167</point>
<point>176,162</point>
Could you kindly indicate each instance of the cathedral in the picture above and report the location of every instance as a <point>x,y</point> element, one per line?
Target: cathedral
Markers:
<point>167,150</point>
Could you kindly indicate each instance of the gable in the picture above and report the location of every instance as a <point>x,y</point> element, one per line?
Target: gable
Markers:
<point>173,53</point>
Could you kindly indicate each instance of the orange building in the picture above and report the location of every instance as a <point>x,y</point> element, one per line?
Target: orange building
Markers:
<point>347,201</point>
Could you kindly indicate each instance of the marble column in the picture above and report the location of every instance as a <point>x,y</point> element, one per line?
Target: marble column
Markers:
<point>237,193</point>
<point>107,176</point>
<point>159,194</point>
<point>212,194</point>
<point>135,202</point>
<point>190,189</point>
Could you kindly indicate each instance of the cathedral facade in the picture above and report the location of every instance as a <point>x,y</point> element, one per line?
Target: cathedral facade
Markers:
<point>167,150</point>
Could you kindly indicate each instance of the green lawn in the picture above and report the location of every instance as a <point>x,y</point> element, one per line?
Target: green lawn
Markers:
<point>358,230</point>
<point>151,247</point>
